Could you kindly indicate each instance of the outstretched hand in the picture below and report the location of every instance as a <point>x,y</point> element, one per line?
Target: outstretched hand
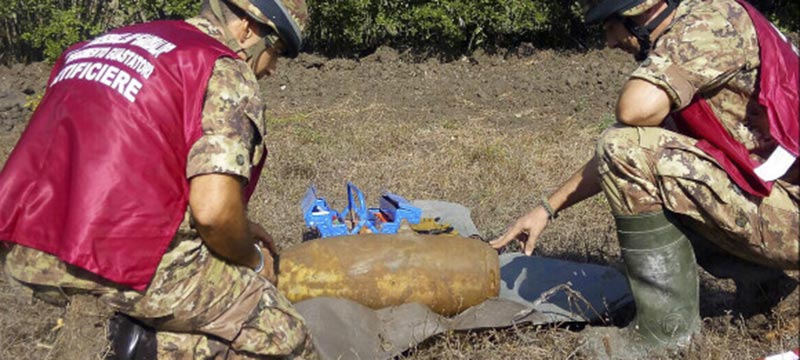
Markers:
<point>526,229</point>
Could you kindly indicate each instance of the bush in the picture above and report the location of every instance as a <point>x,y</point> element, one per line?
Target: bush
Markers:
<point>354,26</point>
<point>784,13</point>
<point>40,29</point>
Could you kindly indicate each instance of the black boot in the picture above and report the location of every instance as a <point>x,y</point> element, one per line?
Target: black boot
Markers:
<point>130,340</point>
<point>662,273</point>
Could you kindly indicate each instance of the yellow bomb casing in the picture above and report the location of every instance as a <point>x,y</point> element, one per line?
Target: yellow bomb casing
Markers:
<point>446,273</point>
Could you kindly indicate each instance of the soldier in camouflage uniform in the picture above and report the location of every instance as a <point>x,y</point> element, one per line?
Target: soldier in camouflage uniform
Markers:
<point>662,188</point>
<point>201,304</point>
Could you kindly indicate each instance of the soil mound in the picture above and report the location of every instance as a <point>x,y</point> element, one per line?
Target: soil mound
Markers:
<point>21,84</point>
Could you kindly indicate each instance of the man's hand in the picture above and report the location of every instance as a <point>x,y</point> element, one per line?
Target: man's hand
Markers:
<point>580,186</point>
<point>268,250</point>
<point>262,237</point>
<point>268,272</point>
<point>527,229</point>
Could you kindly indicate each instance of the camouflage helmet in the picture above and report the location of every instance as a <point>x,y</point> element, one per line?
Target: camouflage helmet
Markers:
<point>600,10</point>
<point>288,18</point>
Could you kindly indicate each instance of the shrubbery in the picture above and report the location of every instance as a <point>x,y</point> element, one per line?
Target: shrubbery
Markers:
<point>41,29</point>
<point>33,30</point>
<point>361,25</point>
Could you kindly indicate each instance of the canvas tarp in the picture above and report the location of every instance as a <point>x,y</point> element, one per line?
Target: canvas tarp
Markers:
<point>534,290</point>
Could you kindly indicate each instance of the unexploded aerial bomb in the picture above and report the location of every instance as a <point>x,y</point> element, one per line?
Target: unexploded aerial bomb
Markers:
<point>446,273</point>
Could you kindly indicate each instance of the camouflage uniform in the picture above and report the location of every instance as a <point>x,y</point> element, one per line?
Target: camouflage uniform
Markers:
<point>194,293</point>
<point>711,49</point>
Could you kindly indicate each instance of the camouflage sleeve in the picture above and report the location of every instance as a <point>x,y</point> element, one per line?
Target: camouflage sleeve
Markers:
<point>699,52</point>
<point>232,122</point>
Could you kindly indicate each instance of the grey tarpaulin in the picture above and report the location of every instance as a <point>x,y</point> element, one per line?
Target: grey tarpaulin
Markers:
<point>534,290</point>
<point>457,215</point>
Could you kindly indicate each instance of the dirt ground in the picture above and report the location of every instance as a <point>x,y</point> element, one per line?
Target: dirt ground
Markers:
<point>493,132</point>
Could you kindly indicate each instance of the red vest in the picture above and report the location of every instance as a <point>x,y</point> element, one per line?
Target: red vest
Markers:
<point>98,178</point>
<point>777,93</point>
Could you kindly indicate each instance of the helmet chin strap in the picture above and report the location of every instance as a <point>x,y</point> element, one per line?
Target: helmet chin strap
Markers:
<point>252,53</point>
<point>643,32</point>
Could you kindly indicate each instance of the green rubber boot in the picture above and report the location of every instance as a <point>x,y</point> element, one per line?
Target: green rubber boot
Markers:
<point>662,274</point>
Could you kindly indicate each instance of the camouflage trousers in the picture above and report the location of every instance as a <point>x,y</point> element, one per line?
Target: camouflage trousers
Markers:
<point>201,307</point>
<point>649,169</point>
